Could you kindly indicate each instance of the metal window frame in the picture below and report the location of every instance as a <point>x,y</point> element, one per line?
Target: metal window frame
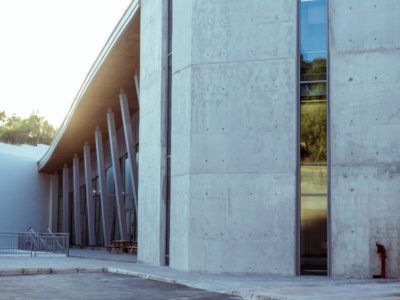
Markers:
<point>298,124</point>
<point>169,134</point>
<point>328,140</point>
<point>328,145</point>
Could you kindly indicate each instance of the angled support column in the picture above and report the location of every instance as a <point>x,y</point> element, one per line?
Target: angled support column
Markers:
<point>54,203</point>
<point>117,174</point>
<point>103,187</point>
<point>89,194</point>
<point>65,212</point>
<point>77,200</point>
<point>130,145</point>
<point>137,88</point>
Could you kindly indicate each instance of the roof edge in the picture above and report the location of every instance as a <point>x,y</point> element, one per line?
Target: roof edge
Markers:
<point>109,45</point>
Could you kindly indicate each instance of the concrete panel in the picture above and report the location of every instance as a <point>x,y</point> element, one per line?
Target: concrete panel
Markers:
<point>25,192</point>
<point>234,100</point>
<point>181,93</point>
<point>152,158</point>
<point>378,30</point>
<point>365,148</point>
<point>241,211</point>
<point>237,28</point>
<point>180,214</point>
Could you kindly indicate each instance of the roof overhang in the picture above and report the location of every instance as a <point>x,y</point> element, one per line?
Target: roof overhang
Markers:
<point>113,69</point>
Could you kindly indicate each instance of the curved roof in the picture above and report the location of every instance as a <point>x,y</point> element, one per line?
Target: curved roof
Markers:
<point>113,69</point>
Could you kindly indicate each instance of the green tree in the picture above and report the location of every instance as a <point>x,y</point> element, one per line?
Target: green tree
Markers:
<point>32,130</point>
<point>313,132</point>
<point>2,117</point>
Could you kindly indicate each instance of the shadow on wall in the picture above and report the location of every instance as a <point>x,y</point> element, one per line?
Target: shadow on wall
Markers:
<point>24,192</point>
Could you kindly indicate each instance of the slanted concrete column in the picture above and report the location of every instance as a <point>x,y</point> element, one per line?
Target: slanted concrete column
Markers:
<point>137,88</point>
<point>89,194</point>
<point>130,145</point>
<point>65,212</point>
<point>103,187</point>
<point>77,200</point>
<point>54,203</point>
<point>117,174</point>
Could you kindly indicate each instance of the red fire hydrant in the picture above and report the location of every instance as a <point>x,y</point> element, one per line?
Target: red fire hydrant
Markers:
<point>382,253</point>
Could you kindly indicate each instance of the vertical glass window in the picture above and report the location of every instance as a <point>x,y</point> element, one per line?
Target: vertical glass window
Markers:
<point>313,137</point>
<point>128,197</point>
<point>72,218</point>
<point>60,204</point>
<point>112,204</point>
<point>97,212</point>
<point>84,219</point>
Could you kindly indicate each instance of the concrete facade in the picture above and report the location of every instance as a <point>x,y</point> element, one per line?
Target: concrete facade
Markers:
<point>365,126</point>
<point>234,195</point>
<point>24,192</point>
<point>152,132</point>
<point>234,136</point>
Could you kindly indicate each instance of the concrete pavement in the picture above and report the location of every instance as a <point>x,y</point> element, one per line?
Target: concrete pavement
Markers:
<point>98,286</point>
<point>246,286</point>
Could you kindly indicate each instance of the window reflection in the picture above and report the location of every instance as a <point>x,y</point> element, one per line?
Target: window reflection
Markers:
<point>313,179</point>
<point>313,132</point>
<point>313,35</point>
<point>97,212</point>
<point>313,246</point>
<point>313,70</point>
<point>313,136</point>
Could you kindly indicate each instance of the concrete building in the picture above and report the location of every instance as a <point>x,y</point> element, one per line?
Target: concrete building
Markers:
<point>268,135</point>
<point>25,207</point>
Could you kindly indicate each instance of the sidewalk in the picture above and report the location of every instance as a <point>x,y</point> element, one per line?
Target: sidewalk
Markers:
<point>246,286</point>
<point>102,255</point>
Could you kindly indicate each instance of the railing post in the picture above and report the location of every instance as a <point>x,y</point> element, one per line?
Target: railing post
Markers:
<point>35,246</point>
<point>30,241</point>
<point>67,250</point>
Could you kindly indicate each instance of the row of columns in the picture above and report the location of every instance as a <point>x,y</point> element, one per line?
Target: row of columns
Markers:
<point>105,205</point>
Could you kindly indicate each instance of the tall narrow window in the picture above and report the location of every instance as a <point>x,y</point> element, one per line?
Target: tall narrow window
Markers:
<point>313,137</point>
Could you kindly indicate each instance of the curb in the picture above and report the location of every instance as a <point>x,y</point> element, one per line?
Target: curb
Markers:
<point>173,281</point>
<point>45,271</point>
<point>141,275</point>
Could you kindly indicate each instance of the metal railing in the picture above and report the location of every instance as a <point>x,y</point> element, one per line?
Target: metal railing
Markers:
<point>32,243</point>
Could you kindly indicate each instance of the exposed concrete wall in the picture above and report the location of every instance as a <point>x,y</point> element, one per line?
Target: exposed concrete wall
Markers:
<point>24,200</point>
<point>365,126</point>
<point>234,136</point>
<point>152,179</point>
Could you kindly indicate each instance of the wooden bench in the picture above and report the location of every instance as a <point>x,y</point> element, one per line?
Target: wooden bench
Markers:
<point>131,249</point>
<point>124,246</point>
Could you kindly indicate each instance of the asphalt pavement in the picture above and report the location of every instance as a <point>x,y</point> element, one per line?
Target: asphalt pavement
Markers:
<point>98,286</point>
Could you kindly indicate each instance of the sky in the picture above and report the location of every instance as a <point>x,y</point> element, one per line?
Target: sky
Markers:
<point>46,49</point>
<point>314,27</point>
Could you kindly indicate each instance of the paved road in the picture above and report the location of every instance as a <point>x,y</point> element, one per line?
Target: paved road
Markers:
<point>97,286</point>
<point>258,286</point>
